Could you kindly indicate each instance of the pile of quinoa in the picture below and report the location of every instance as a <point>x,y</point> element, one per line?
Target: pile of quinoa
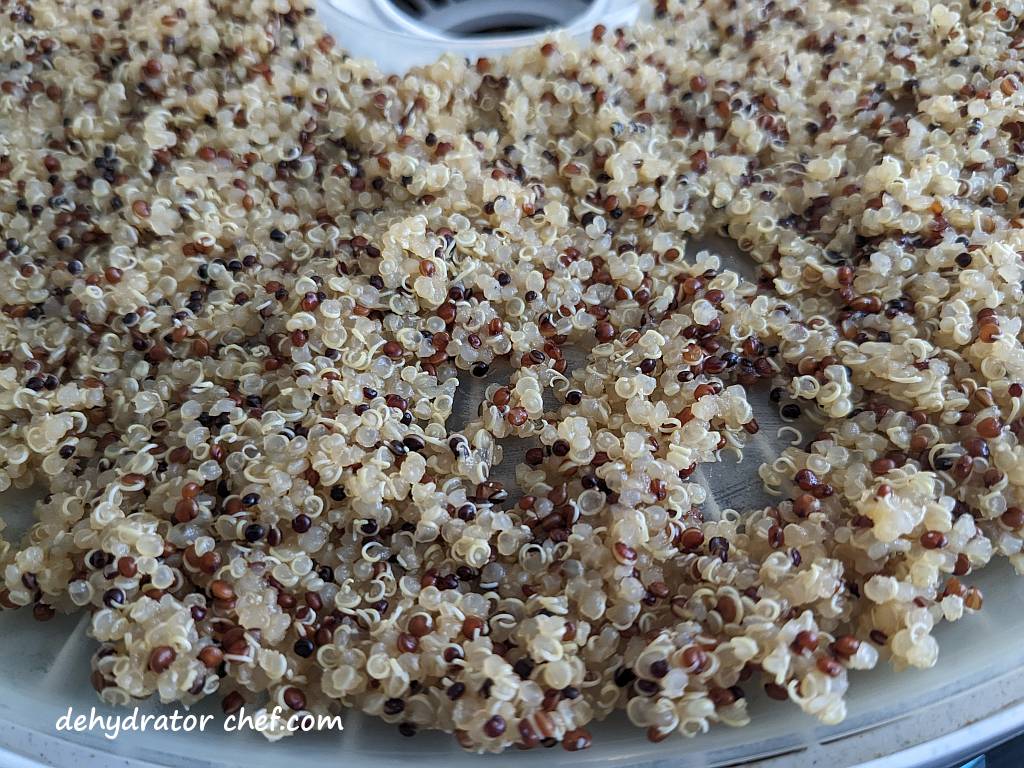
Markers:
<point>241,275</point>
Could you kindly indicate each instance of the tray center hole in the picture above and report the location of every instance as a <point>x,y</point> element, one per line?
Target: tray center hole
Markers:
<point>483,18</point>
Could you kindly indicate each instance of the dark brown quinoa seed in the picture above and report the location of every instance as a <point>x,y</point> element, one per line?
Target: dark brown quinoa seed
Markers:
<point>494,727</point>
<point>576,740</point>
<point>846,646</point>
<point>407,643</point>
<point>161,658</point>
<point>776,692</point>
<point>232,703</point>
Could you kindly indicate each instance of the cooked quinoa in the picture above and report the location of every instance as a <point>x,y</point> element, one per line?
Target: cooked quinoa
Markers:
<point>241,275</point>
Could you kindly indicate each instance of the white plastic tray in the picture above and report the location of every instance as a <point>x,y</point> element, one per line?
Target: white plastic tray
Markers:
<point>372,29</point>
<point>44,669</point>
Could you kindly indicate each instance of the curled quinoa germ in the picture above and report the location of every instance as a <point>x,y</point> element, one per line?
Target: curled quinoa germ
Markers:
<point>241,273</point>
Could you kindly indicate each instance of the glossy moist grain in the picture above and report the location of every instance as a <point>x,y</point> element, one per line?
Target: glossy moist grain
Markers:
<point>241,272</point>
